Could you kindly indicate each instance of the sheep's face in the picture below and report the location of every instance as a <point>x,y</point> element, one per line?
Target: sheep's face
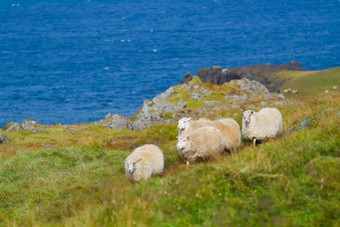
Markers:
<point>182,123</point>
<point>246,116</point>
<point>182,142</point>
<point>131,165</point>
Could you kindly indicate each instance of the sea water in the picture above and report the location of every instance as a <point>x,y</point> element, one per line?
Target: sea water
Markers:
<point>75,61</point>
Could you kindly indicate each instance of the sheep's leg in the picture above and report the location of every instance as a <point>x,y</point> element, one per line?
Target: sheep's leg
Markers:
<point>254,142</point>
<point>188,163</point>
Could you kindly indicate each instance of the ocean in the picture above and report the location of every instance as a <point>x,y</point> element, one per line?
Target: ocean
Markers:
<point>75,61</point>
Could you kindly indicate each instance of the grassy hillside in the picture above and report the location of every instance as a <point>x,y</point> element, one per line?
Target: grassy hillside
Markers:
<point>308,82</point>
<point>74,175</point>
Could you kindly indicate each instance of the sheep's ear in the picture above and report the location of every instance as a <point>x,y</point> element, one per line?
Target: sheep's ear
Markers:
<point>241,114</point>
<point>252,112</point>
<point>187,137</point>
<point>138,160</point>
<point>189,119</point>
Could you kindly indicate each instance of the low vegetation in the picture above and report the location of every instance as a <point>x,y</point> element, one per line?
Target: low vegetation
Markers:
<point>74,175</point>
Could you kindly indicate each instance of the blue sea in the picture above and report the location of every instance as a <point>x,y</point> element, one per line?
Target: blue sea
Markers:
<point>75,61</point>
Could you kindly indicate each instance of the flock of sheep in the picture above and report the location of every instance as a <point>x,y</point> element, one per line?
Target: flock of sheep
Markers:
<point>204,139</point>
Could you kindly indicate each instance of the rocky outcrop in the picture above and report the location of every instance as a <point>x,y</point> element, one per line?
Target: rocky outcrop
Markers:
<point>187,78</point>
<point>28,125</point>
<point>160,110</point>
<point>216,75</point>
<point>250,85</point>
<point>260,72</point>
<point>118,121</point>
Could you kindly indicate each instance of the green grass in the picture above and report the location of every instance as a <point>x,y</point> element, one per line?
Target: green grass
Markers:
<point>309,82</point>
<point>289,181</point>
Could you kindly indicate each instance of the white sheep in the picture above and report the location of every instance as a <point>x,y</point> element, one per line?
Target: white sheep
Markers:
<point>145,161</point>
<point>228,127</point>
<point>231,133</point>
<point>186,125</point>
<point>201,144</point>
<point>267,123</point>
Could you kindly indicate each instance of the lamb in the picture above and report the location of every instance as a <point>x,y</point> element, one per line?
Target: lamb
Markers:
<point>186,125</point>
<point>145,161</point>
<point>201,144</point>
<point>267,123</point>
<point>228,127</point>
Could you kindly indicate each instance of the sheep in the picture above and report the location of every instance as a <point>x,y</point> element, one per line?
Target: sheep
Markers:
<point>295,92</point>
<point>231,133</point>
<point>267,123</point>
<point>186,125</point>
<point>228,127</point>
<point>145,161</point>
<point>201,144</point>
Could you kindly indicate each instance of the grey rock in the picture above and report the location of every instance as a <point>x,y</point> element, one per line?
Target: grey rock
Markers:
<point>234,106</point>
<point>109,115</point>
<point>250,85</point>
<point>186,87</point>
<point>281,96</point>
<point>153,111</point>
<point>139,125</point>
<point>14,127</point>
<point>117,121</point>
<point>4,138</point>
<point>338,114</point>
<point>146,111</point>
<point>304,123</point>
<point>263,103</point>
<point>167,93</point>
<point>29,126</point>
<point>204,91</point>
<point>211,103</point>
<point>216,108</point>
<point>195,95</point>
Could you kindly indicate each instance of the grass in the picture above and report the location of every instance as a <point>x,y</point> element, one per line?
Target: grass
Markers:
<point>288,181</point>
<point>310,82</point>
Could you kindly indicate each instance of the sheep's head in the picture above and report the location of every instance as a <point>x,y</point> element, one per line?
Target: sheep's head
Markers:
<point>247,115</point>
<point>182,141</point>
<point>131,165</point>
<point>183,122</point>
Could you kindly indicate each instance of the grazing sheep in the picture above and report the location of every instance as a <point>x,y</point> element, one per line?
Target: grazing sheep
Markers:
<point>186,125</point>
<point>267,123</point>
<point>231,133</point>
<point>228,127</point>
<point>326,91</point>
<point>295,92</point>
<point>201,144</point>
<point>335,88</point>
<point>145,161</point>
